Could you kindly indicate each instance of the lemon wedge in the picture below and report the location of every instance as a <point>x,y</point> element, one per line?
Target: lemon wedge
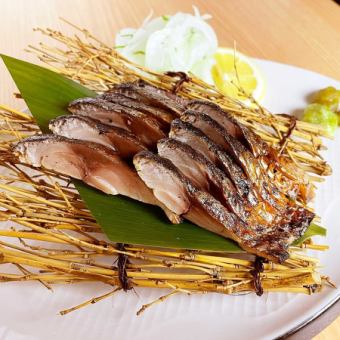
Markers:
<point>224,75</point>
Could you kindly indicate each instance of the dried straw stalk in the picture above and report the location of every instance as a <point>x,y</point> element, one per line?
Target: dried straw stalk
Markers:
<point>52,238</point>
<point>98,66</point>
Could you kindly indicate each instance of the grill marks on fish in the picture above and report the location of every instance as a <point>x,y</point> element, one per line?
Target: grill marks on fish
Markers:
<point>146,128</point>
<point>257,146</point>
<point>279,167</point>
<point>88,129</point>
<point>159,113</point>
<point>259,211</point>
<point>203,174</point>
<point>95,164</point>
<point>213,170</point>
<point>184,198</point>
<point>194,137</point>
<point>152,96</point>
<point>286,211</point>
<point>203,209</point>
<point>240,155</point>
<point>165,180</point>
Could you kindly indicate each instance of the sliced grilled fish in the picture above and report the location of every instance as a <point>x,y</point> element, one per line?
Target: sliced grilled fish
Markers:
<point>203,174</point>
<point>95,164</point>
<point>258,146</point>
<point>194,137</point>
<point>289,178</point>
<point>180,196</point>
<point>152,96</point>
<point>288,212</point>
<point>146,128</point>
<point>240,154</point>
<point>88,129</point>
<point>163,115</point>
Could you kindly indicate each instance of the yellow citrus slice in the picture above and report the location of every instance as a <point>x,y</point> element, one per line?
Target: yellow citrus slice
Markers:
<point>224,75</point>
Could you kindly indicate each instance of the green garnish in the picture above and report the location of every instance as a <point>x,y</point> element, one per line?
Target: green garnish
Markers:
<point>321,115</point>
<point>329,97</point>
<point>313,230</point>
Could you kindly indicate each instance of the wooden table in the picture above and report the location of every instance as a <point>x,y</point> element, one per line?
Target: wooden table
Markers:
<point>304,33</point>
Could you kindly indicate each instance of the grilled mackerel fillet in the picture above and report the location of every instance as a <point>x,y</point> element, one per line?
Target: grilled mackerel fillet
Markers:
<point>210,168</point>
<point>95,164</point>
<point>179,195</point>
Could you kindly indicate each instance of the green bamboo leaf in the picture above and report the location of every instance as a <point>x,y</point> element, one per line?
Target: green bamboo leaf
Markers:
<point>47,95</point>
<point>313,230</point>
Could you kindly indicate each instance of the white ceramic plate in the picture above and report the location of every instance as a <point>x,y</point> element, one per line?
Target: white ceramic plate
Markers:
<point>29,311</point>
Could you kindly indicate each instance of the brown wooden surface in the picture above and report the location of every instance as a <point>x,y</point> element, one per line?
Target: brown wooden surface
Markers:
<point>304,33</point>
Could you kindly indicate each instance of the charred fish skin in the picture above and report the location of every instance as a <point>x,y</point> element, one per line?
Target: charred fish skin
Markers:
<point>271,160</point>
<point>93,107</point>
<point>260,149</point>
<point>240,154</point>
<point>194,137</point>
<point>88,129</point>
<point>280,238</point>
<point>175,101</point>
<point>203,174</point>
<point>164,116</point>
<point>145,160</point>
<point>270,243</point>
<point>220,136</point>
<point>252,239</point>
<point>146,128</point>
<point>204,210</point>
<point>180,154</point>
<point>96,106</point>
<point>152,96</point>
<point>164,179</point>
<point>269,192</point>
<point>207,177</point>
<point>217,134</point>
<point>187,133</point>
<point>231,125</point>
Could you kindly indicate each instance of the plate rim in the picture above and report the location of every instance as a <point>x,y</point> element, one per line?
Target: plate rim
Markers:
<point>307,321</point>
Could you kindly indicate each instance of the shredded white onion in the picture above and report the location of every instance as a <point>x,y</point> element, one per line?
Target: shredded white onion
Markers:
<point>181,42</point>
